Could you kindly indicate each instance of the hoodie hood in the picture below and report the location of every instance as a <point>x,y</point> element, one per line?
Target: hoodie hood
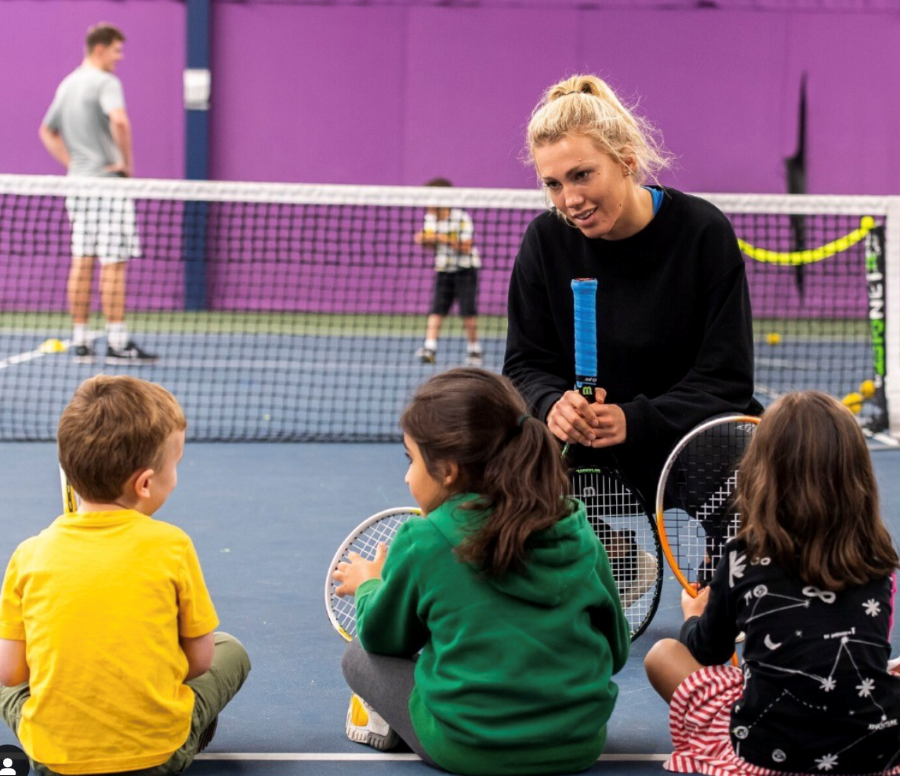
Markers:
<point>559,558</point>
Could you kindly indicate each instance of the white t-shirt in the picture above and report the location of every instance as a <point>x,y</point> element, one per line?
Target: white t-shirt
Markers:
<point>458,225</point>
<point>80,113</point>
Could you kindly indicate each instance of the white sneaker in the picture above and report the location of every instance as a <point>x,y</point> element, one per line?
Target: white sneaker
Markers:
<point>366,726</point>
<point>425,355</point>
<point>646,568</point>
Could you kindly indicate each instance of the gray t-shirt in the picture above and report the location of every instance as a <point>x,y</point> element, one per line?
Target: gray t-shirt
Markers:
<point>80,113</point>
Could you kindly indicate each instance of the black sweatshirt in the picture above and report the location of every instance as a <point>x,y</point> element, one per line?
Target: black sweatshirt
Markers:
<point>817,694</point>
<point>674,336</point>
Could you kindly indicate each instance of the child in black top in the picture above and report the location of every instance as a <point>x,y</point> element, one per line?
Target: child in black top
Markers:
<point>810,581</point>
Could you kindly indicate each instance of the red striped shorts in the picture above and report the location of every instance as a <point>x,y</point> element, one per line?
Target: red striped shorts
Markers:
<point>699,720</point>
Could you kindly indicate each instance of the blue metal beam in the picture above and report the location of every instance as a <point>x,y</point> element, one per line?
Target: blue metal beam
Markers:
<point>196,82</point>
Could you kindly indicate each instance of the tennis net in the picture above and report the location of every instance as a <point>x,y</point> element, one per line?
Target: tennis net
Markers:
<point>295,312</point>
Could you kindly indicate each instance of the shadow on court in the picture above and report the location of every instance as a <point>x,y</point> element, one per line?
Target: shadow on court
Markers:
<point>266,520</point>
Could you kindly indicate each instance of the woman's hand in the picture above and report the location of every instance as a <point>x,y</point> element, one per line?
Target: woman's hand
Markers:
<point>694,607</point>
<point>575,420</point>
<point>351,574</point>
<point>572,418</point>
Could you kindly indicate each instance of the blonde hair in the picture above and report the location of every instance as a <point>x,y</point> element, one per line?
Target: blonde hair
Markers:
<point>113,427</point>
<point>586,105</point>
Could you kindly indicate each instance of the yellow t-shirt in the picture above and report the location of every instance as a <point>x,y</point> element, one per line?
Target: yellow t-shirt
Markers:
<point>100,599</point>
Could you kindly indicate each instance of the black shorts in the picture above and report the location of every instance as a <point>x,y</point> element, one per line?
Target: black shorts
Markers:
<point>461,285</point>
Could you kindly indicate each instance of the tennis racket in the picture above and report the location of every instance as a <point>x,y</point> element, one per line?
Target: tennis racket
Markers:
<point>695,511</point>
<point>69,497</point>
<point>616,512</point>
<point>584,293</point>
<point>363,540</point>
<point>621,521</point>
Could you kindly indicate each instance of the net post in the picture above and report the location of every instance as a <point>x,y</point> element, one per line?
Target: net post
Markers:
<point>197,84</point>
<point>892,314</point>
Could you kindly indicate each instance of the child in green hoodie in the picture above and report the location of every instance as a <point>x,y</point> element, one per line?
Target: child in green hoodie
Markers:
<point>504,592</point>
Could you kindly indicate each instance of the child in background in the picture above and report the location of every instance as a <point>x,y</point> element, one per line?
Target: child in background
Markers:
<point>504,588</point>
<point>106,626</point>
<point>449,233</point>
<point>810,580</point>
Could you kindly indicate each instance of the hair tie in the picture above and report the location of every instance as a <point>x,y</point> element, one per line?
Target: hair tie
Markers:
<point>517,429</point>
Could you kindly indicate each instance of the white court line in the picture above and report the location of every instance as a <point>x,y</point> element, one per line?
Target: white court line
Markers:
<point>351,757</point>
<point>31,355</point>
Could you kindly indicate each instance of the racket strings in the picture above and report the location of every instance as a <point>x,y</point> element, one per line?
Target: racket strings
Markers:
<point>700,516</point>
<point>621,522</point>
<point>365,544</point>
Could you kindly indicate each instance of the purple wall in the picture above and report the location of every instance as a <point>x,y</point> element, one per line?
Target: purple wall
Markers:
<point>398,93</point>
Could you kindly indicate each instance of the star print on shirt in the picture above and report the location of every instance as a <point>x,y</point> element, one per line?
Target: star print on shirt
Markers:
<point>872,607</point>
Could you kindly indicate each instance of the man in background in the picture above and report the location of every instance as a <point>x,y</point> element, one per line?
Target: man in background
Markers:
<point>86,129</point>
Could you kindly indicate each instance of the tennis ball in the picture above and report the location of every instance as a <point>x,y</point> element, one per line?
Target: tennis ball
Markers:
<point>773,338</point>
<point>52,346</point>
<point>867,222</point>
<point>267,416</point>
<point>867,389</point>
<point>853,402</point>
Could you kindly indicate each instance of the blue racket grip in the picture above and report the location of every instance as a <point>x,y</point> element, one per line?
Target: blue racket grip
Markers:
<point>584,291</point>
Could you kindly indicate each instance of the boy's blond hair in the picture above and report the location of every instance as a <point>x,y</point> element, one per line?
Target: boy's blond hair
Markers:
<point>113,427</point>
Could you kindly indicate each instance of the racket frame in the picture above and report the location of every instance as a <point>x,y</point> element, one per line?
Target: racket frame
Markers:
<point>69,497</point>
<point>340,557</point>
<point>691,588</point>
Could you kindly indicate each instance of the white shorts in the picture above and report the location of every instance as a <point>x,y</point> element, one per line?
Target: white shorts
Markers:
<point>103,227</point>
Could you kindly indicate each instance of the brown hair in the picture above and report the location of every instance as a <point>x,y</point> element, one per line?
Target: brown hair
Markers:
<point>102,34</point>
<point>477,420</point>
<point>113,427</point>
<point>808,498</point>
<point>441,183</point>
<point>587,105</point>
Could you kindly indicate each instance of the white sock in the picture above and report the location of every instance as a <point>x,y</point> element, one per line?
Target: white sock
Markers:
<point>80,334</point>
<point>430,344</point>
<point>475,347</point>
<point>116,335</point>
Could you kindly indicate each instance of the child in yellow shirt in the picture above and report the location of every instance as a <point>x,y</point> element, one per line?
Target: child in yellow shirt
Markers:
<point>106,625</point>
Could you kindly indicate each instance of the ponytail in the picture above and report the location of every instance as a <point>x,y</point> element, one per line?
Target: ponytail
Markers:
<point>586,105</point>
<point>511,460</point>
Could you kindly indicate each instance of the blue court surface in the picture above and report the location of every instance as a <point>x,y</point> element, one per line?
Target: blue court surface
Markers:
<point>266,520</point>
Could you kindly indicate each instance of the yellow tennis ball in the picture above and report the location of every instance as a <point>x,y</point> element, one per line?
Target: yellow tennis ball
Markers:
<point>867,222</point>
<point>773,338</point>
<point>853,402</point>
<point>52,346</point>
<point>867,388</point>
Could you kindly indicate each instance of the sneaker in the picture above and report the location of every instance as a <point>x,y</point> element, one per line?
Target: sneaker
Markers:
<point>646,568</point>
<point>207,735</point>
<point>130,354</point>
<point>365,726</point>
<point>84,354</point>
<point>474,358</point>
<point>425,355</point>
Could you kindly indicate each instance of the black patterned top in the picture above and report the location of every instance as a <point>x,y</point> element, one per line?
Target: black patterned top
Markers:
<point>817,694</point>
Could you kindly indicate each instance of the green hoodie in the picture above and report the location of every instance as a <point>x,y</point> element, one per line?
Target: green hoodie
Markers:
<point>515,673</point>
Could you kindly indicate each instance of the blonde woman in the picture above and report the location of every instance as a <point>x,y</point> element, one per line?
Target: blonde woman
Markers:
<point>674,340</point>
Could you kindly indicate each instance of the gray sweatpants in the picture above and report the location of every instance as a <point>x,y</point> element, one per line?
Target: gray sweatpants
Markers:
<point>212,692</point>
<point>385,683</point>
